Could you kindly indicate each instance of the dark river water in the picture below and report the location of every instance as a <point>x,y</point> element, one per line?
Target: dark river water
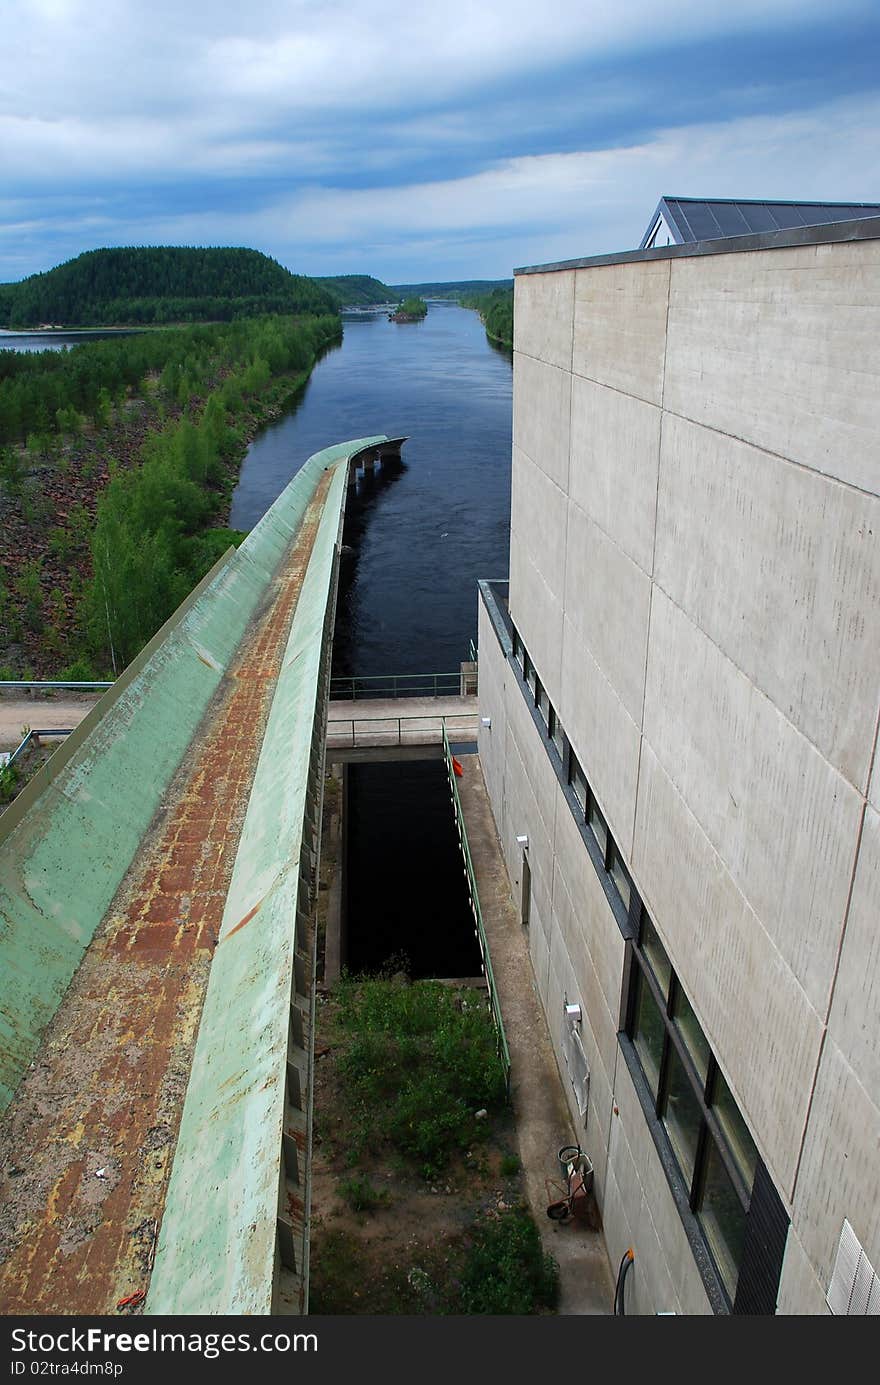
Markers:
<point>421,539</point>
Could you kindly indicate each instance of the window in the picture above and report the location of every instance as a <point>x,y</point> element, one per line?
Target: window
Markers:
<point>714,1155</point>
<point>598,825</point>
<point>692,1035</point>
<point>578,781</point>
<point>722,1216</point>
<point>681,1114</point>
<point>649,1033</point>
<point>556,733</point>
<point>542,702</point>
<point>620,876</point>
<point>655,953</point>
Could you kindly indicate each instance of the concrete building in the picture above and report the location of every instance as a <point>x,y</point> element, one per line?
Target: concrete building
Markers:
<point>679,699</point>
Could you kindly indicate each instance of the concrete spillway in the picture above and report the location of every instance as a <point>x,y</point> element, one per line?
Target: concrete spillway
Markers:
<point>156,886</point>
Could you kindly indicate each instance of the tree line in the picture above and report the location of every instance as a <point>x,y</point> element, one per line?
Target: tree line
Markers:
<point>496,310</point>
<point>152,534</point>
<point>146,284</point>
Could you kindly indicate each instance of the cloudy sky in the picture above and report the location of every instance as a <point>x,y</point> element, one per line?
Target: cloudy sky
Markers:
<point>414,141</point>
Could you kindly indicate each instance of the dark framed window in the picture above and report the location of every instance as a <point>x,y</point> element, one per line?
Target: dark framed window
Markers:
<point>578,781</point>
<point>598,825</point>
<point>542,702</point>
<point>619,874</point>
<point>715,1157</point>
<point>556,732</point>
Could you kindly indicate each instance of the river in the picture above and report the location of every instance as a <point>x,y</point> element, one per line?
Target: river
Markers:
<point>408,596</point>
<point>419,538</point>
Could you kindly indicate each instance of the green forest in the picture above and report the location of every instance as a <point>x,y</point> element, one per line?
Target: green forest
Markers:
<point>410,310</point>
<point>457,288</point>
<point>160,284</point>
<point>115,486</point>
<point>496,310</point>
<point>356,290</point>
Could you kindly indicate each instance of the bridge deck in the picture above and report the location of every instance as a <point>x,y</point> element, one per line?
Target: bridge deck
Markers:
<point>402,721</point>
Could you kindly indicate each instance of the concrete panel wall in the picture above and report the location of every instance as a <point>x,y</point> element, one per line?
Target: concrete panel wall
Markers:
<point>540,426</point>
<point>781,819</point>
<point>762,1028</point>
<point>620,327</point>
<point>713,660</point>
<point>781,348</point>
<point>607,599</point>
<point>539,615</point>
<point>838,1175</point>
<point>781,568</point>
<point>604,735</point>
<point>615,449</point>
<point>493,673</point>
<point>852,1023</point>
<point>543,313</point>
<point>800,1291</point>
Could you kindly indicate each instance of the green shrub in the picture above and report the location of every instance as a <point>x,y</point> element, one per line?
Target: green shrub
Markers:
<point>360,1194</point>
<point>417,1067</point>
<point>506,1270</point>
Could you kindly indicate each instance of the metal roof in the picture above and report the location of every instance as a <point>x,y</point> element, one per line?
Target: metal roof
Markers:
<point>693,219</point>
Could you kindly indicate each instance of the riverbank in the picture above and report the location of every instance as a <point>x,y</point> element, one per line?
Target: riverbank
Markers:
<point>51,494</point>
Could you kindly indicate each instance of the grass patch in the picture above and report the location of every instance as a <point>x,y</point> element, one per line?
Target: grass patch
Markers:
<point>359,1193</point>
<point>418,1062</point>
<point>505,1270</point>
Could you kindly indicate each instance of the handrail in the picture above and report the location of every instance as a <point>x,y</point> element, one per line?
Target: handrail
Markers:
<point>14,685</point>
<point>494,1002</point>
<point>429,726</point>
<point>393,685</point>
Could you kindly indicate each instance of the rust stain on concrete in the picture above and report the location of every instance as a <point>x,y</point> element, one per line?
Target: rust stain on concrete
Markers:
<point>242,922</point>
<point>86,1146</point>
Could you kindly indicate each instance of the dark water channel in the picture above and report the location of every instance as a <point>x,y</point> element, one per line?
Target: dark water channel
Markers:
<point>419,538</point>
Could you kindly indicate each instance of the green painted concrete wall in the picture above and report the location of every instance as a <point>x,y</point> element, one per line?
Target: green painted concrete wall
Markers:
<point>217,1245</point>
<point>70,840</point>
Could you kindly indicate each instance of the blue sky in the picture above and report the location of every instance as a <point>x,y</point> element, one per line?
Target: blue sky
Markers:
<point>419,142</point>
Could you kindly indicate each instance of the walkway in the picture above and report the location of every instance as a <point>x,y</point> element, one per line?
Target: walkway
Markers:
<point>400,721</point>
<point>51,713</point>
<point>543,1122</point>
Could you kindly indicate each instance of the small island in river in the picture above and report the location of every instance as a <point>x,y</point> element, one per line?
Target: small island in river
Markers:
<point>410,310</point>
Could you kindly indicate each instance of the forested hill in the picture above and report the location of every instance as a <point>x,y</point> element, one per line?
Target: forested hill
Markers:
<point>356,290</point>
<point>457,288</point>
<point>160,284</point>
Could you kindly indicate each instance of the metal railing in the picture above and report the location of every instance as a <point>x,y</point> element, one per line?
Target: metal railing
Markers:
<point>470,875</point>
<point>395,731</point>
<point>396,685</point>
<point>46,685</point>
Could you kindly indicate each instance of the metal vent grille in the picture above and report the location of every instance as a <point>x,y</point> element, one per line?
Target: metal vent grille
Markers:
<point>854,1290</point>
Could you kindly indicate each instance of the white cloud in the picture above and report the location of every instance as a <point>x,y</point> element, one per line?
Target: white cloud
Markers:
<point>547,207</point>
